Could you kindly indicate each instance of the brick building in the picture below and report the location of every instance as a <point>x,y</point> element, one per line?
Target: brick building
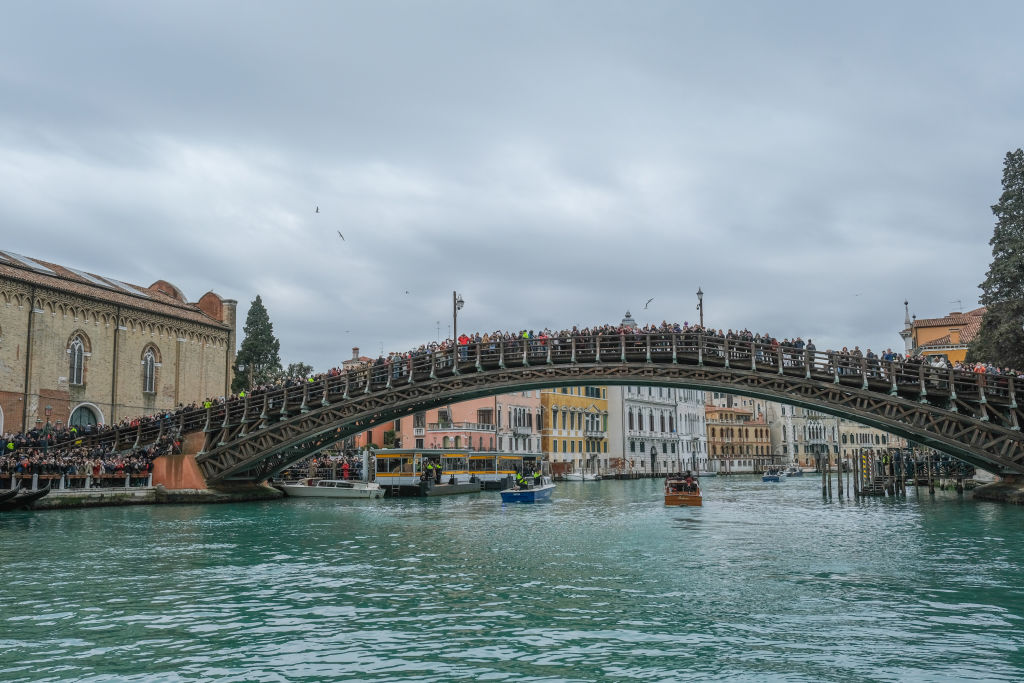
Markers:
<point>80,348</point>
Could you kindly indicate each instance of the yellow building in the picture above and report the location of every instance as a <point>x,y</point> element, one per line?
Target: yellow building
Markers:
<point>948,336</point>
<point>574,431</point>
<point>738,442</point>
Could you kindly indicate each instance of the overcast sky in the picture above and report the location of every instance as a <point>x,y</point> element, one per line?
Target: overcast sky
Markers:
<point>809,166</point>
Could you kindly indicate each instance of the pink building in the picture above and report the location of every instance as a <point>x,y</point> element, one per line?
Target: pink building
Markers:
<point>508,423</point>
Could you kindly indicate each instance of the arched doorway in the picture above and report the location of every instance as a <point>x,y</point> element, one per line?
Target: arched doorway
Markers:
<point>85,415</point>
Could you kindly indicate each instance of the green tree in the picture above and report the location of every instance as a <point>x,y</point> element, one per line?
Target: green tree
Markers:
<point>298,371</point>
<point>1001,338</point>
<point>259,356</point>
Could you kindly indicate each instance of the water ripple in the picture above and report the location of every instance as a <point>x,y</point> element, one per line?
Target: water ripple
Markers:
<point>764,583</point>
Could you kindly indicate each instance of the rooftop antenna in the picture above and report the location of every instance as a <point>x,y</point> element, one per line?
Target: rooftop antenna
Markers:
<point>959,304</point>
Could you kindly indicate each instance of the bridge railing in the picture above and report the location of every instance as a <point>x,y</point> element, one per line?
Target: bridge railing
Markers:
<point>262,407</point>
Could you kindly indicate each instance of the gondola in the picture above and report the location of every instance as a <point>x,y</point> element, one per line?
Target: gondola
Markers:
<point>26,498</point>
<point>7,495</point>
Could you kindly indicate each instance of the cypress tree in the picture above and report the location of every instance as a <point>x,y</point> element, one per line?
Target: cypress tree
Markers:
<point>259,352</point>
<point>1001,337</point>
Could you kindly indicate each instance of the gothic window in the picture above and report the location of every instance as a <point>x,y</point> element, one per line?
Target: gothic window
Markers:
<point>148,372</point>
<point>76,363</point>
<point>631,420</point>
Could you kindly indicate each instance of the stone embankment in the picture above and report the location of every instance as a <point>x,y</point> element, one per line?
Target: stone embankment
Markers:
<point>1009,489</point>
<point>154,495</point>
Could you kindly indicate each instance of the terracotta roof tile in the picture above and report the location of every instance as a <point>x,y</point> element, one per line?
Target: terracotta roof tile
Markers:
<point>78,282</point>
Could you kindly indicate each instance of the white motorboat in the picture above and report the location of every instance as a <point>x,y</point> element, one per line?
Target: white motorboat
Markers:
<point>581,476</point>
<point>332,488</point>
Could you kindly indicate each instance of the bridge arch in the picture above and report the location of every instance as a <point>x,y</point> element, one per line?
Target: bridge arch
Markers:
<point>982,443</point>
<point>973,417</point>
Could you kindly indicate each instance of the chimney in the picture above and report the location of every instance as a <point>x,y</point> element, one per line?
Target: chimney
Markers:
<point>355,353</point>
<point>954,337</point>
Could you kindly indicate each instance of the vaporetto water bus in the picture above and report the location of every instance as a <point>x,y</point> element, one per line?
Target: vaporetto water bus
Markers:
<point>406,472</point>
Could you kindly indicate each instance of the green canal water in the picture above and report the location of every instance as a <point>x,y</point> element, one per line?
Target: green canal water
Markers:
<point>764,583</point>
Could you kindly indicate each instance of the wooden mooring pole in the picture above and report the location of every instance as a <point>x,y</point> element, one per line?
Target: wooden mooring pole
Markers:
<point>821,466</point>
<point>839,477</point>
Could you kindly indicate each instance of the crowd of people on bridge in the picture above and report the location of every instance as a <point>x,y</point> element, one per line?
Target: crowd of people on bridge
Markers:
<point>767,349</point>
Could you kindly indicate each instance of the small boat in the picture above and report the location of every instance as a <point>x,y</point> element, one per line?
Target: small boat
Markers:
<point>794,471</point>
<point>581,476</point>
<point>8,495</point>
<point>772,474</point>
<point>707,474</point>
<point>529,494</point>
<point>332,488</point>
<point>679,492</point>
<point>26,498</point>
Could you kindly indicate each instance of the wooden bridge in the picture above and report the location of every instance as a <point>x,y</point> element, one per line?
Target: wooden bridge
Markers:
<point>974,417</point>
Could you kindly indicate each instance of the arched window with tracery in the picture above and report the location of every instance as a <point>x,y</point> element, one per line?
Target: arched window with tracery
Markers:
<point>149,372</point>
<point>76,361</point>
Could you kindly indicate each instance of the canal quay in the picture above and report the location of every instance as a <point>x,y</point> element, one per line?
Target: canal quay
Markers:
<point>764,582</point>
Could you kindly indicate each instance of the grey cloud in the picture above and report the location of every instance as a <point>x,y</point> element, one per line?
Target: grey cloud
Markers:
<point>557,163</point>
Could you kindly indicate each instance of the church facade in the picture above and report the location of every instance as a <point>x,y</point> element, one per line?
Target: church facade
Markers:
<point>78,348</point>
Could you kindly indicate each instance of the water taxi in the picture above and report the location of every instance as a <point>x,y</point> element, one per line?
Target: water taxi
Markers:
<point>794,471</point>
<point>772,474</point>
<point>332,488</point>
<point>679,492</point>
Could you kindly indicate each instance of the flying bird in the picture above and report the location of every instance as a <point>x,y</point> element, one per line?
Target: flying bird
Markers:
<point>317,210</point>
<point>407,291</point>
<point>648,301</point>
<point>341,236</point>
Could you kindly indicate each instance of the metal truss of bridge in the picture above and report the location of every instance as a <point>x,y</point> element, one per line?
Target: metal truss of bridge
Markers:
<point>974,417</point>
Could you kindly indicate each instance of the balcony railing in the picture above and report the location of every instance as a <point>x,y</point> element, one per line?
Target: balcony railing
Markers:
<point>460,426</point>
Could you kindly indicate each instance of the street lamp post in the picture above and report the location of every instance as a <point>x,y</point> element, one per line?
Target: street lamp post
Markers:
<point>700,305</point>
<point>457,304</point>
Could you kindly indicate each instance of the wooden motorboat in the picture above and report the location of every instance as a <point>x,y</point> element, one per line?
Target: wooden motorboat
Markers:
<point>679,492</point>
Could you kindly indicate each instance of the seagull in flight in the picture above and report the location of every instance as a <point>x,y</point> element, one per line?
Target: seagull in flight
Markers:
<point>648,301</point>
<point>341,236</point>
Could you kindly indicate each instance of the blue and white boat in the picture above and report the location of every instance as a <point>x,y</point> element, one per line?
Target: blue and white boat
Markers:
<point>794,471</point>
<point>529,494</point>
<point>772,474</point>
